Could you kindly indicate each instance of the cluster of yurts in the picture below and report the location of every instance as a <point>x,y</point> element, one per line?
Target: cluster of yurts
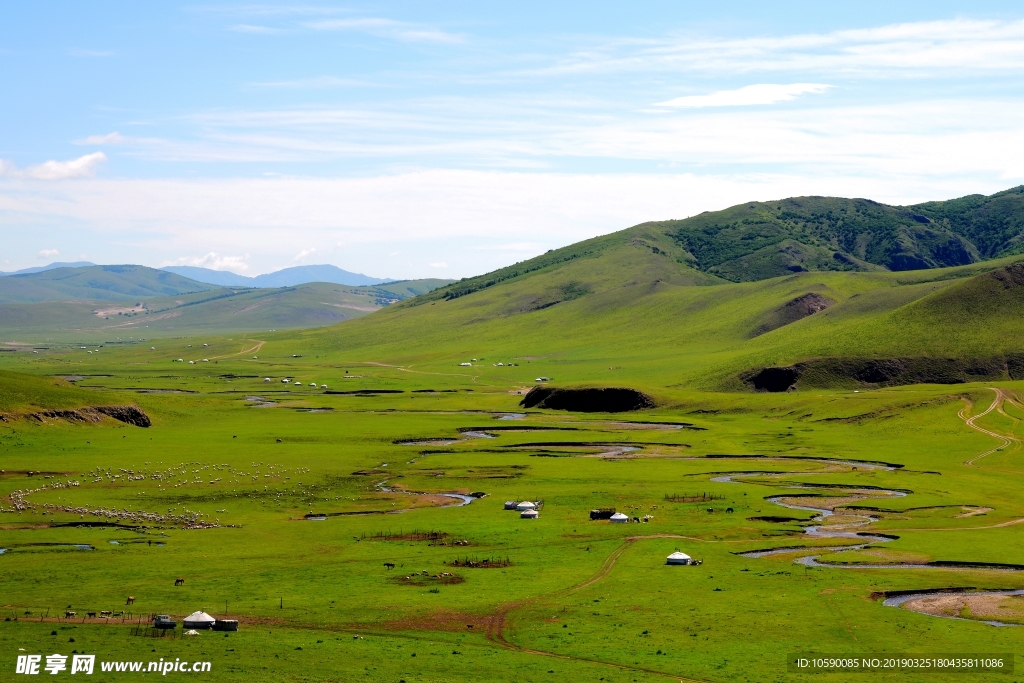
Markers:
<point>526,509</point>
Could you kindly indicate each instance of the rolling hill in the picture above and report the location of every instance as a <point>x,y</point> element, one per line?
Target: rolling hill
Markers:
<point>635,307</point>
<point>102,283</point>
<point>218,310</point>
<point>50,266</point>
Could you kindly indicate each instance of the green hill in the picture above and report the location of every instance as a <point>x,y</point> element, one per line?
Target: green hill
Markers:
<point>765,239</point>
<point>216,310</point>
<point>634,309</point>
<point>24,393</point>
<point>98,283</point>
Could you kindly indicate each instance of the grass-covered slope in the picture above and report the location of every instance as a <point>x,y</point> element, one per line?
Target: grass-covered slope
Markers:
<point>762,240</point>
<point>220,310</point>
<point>631,327</point>
<point>104,283</point>
<point>24,394</point>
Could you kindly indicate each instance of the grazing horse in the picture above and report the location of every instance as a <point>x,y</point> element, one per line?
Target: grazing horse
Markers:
<point>179,581</point>
<point>131,600</point>
<point>389,565</point>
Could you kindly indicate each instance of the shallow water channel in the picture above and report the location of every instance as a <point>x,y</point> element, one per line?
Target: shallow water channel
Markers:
<point>866,538</point>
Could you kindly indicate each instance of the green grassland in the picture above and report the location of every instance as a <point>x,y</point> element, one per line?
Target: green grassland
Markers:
<point>252,471</point>
<point>217,491</point>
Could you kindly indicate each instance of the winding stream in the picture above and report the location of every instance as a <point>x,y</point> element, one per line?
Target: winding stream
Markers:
<point>818,530</point>
<point>898,600</point>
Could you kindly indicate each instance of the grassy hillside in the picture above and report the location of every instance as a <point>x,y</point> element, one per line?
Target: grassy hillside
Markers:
<point>280,463</point>
<point>637,328</point>
<point>103,283</point>
<point>219,310</point>
<point>23,393</point>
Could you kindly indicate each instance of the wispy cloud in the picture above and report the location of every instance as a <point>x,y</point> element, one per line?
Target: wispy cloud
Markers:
<point>386,28</point>
<point>114,138</point>
<point>303,254</point>
<point>48,253</point>
<point>212,260</point>
<point>763,93</point>
<point>253,28</point>
<point>315,82</point>
<point>76,52</point>
<point>455,211</point>
<point>82,167</point>
<point>957,44</point>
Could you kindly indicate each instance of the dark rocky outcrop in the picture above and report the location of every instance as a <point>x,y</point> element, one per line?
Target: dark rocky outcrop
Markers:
<point>792,311</point>
<point>132,415</point>
<point>775,379</point>
<point>876,372</point>
<point>588,400</point>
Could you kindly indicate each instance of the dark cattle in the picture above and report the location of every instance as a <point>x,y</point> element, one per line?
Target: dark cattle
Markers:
<point>91,615</point>
<point>389,565</point>
<point>728,509</point>
<point>69,614</point>
<point>711,509</point>
<point>131,600</point>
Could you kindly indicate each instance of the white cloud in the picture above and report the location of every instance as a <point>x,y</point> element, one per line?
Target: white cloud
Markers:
<point>763,93</point>
<point>82,167</point>
<point>48,253</point>
<point>386,28</point>
<point>314,82</point>
<point>90,53</point>
<point>212,260</point>
<point>950,45</point>
<point>114,138</point>
<point>303,254</point>
<point>514,246</point>
<point>251,28</point>
<point>440,216</point>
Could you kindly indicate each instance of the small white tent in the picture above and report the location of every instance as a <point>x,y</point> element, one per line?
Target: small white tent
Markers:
<point>678,558</point>
<point>198,620</point>
<point>618,518</point>
<point>525,505</point>
<point>529,514</point>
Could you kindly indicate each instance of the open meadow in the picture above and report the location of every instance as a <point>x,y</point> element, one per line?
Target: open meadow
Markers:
<point>283,505</point>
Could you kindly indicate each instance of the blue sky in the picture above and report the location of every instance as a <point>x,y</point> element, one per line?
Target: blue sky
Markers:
<point>446,139</point>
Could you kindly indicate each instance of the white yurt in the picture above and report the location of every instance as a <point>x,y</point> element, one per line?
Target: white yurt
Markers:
<point>510,504</point>
<point>529,514</point>
<point>678,558</point>
<point>526,505</point>
<point>198,620</point>
<point>618,518</point>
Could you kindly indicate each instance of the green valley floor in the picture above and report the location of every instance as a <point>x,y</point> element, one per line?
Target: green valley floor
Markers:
<point>357,530</point>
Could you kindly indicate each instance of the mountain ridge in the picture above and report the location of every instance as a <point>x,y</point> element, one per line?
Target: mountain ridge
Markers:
<point>286,277</point>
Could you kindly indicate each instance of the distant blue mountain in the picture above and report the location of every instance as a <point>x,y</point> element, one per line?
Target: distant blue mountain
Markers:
<point>288,277</point>
<point>40,269</point>
<point>223,278</point>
